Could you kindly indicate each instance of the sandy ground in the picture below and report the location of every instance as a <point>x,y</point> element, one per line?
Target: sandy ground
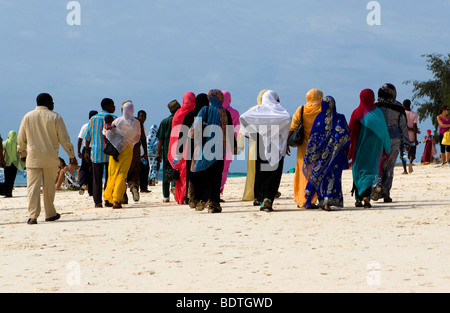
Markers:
<point>156,247</point>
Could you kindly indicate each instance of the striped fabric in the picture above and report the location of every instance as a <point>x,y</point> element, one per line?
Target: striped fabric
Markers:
<point>94,134</point>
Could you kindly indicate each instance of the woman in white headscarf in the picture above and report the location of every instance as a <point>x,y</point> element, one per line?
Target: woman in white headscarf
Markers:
<point>124,134</point>
<point>269,125</point>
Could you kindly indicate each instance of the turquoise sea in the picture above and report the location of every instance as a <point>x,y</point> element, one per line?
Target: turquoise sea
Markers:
<point>21,179</point>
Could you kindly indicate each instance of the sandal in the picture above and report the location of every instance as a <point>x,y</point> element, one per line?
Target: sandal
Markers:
<point>367,203</point>
<point>327,207</point>
<point>117,205</point>
<point>358,204</point>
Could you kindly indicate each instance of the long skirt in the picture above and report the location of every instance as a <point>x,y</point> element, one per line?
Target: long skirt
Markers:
<point>206,184</point>
<point>267,177</point>
<point>117,175</point>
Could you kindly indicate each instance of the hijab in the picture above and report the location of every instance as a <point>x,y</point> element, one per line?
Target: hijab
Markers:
<point>127,131</point>
<point>233,112</point>
<point>213,115</point>
<point>272,122</point>
<point>200,101</point>
<point>326,152</point>
<point>152,140</point>
<point>187,106</point>
<point>367,114</point>
<point>12,156</point>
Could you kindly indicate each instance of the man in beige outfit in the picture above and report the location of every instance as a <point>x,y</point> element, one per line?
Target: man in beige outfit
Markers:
<point>40,134</point>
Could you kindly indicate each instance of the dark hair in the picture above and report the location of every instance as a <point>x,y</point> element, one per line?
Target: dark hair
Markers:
<point>444,107</point>
<point>142,112</point>
<point>62,161</point>
<point>109,119</point>
<point>407,104</point>
<point>106,102</point>
<point>44,99</point>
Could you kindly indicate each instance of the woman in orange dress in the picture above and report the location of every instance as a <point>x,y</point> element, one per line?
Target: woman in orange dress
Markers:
<point>311,109</point>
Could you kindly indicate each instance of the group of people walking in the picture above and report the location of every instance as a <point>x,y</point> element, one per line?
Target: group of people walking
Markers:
<point>196,144</point>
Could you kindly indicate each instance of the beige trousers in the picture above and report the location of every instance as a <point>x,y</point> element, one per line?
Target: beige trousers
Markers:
<point>35,178</point>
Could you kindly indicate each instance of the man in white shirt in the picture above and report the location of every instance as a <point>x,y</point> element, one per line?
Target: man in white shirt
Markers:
<point>85,173</point>
<point>40,134</point>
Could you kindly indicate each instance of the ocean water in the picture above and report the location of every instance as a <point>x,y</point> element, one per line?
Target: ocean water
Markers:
<point>21,179</point>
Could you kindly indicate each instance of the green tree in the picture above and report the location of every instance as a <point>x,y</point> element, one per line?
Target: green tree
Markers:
<point>435,92</point>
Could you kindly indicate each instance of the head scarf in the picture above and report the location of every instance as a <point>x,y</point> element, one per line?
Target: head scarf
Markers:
<point>200,101</point>
<point>152,140</point>
<point>260,95</point>
<point>261,118</point>
<point>326,156</point>
<point>387,96</point>
<point>128,129</point>
<point>212,115</point>
<point>10,148</point>
<point>187,106</point>
<point>233,112</point>
<point>366,105</point>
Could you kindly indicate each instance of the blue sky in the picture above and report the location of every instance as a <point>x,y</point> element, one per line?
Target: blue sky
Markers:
<point>154,51</point>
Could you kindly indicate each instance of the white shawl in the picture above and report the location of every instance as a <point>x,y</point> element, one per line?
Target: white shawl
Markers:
<point>127,130</point>
<point>272,122</point>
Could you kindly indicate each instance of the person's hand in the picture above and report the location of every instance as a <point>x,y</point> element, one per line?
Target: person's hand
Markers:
<point>2,163</point>
<point>73,161</point>
<point>80,155</point>
<point>24,159</point>
<point>158,157</point>
<point>288,150</point>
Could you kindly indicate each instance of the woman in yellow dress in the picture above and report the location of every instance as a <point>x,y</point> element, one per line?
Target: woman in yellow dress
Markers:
<point>123,135</point>
<point>311,109</point>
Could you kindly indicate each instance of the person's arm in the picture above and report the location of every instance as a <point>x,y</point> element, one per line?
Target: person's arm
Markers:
<point>441,123</point>
<point>22,140</point>
<point>158,154</point>
<point>64,139</point>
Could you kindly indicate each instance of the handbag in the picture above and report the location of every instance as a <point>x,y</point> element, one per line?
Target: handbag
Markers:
<point>296,138</point>
<point>172,175</point>
<point>446,138</point>
<point>111,150</point>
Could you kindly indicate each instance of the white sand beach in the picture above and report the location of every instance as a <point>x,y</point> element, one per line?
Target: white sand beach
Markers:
<point>151,246</point>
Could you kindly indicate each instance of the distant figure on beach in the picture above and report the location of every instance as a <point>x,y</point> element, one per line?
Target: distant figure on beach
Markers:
<point>95,144</point>
<point>12,163</point>
<point>395,116</point>
<point>236,124</point>
<point>65,179</point>
<point>144,165</point>
<point>369,136</point>
<point>312,108</point>
<point>412,119</point>
<point>430,148</point>
<point>209,151</point>
<point>2,165</point>
<point>269,125</point>
<point>200,101</point>
<point>85,172</point>
<point>175,155</point>
<point>125,134</point>
<point>249,190</point>
<point>163,136</point>
<point>40,134</point>
<point>326,157</point>
<point>444,125</point>
<point>152,151</point>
